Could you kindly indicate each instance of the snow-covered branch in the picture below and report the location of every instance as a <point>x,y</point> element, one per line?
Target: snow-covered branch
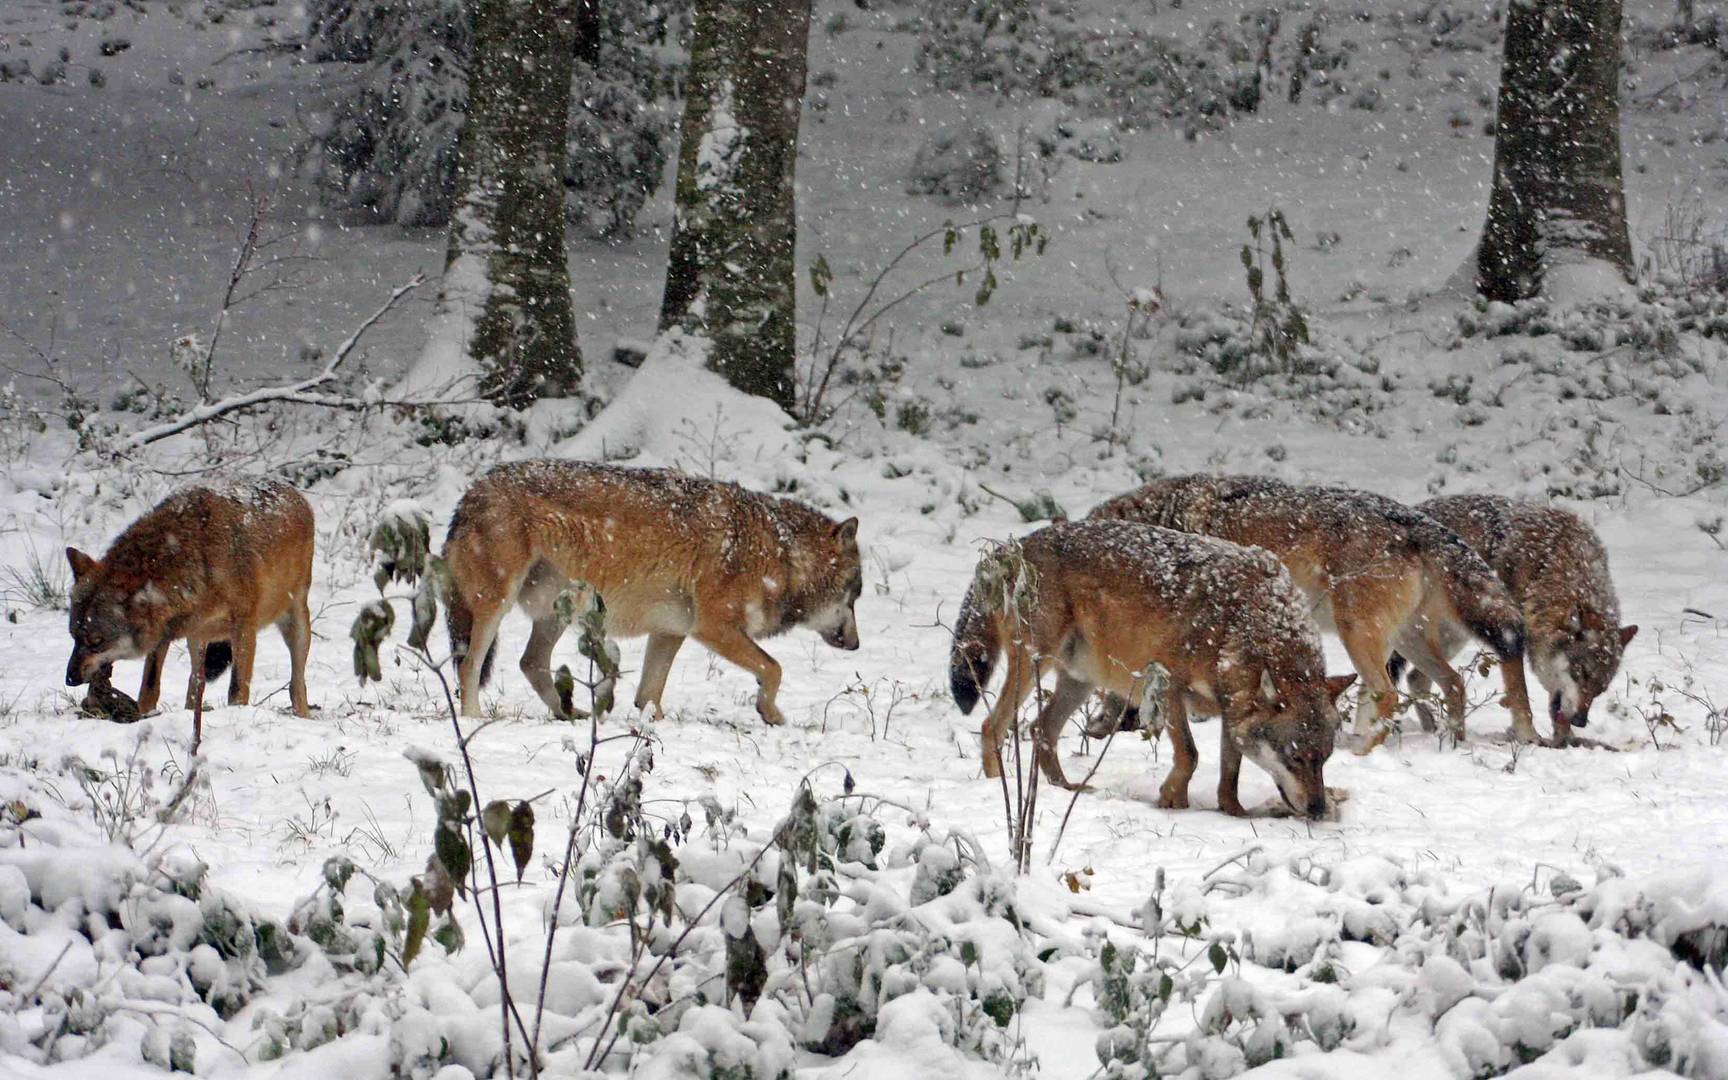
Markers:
<point>293,393</point>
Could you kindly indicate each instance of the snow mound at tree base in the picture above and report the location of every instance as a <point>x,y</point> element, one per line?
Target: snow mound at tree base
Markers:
<point>675,411</point>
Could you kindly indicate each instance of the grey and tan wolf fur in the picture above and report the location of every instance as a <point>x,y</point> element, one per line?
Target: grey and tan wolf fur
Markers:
<point>1380,574</point>
<point>210,565</point>
<point>1100,601</point>
<point>672,556</point>
<point>1555,567</point>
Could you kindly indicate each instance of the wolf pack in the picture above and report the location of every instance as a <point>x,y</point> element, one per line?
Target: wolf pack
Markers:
<point>1191,596</point>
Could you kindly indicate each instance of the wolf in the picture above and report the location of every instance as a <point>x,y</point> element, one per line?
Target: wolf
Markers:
<point>671,555</point>
<point>1381,575</point>
<point>1555,567</point>
<point>1100,602</point>
<point>212,565</point>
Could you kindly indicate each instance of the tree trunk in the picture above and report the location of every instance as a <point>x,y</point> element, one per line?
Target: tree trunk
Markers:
<point>503,315</point>
<point>1557,196</point>
<point>588,32</point>
<point>732,276</point>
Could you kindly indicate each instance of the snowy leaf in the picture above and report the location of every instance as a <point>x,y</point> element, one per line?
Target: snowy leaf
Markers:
<point>419,920</point>
<point>521,836</point>
<point>495,819</point>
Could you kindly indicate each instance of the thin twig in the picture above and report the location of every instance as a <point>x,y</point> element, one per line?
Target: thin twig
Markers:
<point>295,392</point>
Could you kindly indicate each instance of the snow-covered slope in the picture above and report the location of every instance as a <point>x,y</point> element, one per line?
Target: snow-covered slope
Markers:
<point>121,208</point>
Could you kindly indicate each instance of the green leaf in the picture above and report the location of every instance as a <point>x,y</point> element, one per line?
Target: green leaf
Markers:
<point>495,820</point>
<point>1218,956</point>
<point>453,851</point>
<point>337,870</point>
<point>820,275</point>
<point>950,237</point>
<point>1166,986</point>
<point>440,890</point>
<point>985,288</point>
<point>449,935</point>
<point>565,683</point>
<point>370,628</point>
<point>786,893</point>
<point>432,772</point>
<point>989,244</point>
<point>419,920</point>
<point>521,836</point>
<point>425,612</point>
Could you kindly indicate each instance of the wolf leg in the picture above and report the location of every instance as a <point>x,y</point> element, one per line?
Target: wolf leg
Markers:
<point>195,649</point>
<point>243,640</point>
<point>1230,771</point>
<point>536,663</point>
<point>1022,676</point>
<point>731,643</point>
<point>1369,650</point>
<point>1173,794</point>
<point>1070,693</point>
<point>538,597</point>
<point>296,629</point>
<point>488,613</point>
<point>656,665</point>
<point>151,690</point>
<point>1431,664</point>
<point>1518,700</point>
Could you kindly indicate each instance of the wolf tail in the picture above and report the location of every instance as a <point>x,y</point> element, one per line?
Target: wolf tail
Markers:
<point>459,617</point>
<point>218,655</point>
<point>1478,596</point>
<point>976,645</point>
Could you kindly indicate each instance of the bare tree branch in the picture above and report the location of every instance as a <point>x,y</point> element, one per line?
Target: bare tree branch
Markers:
<point>295,393</point>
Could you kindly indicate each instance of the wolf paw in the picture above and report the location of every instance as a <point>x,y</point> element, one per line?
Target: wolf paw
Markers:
<point>770,714</point>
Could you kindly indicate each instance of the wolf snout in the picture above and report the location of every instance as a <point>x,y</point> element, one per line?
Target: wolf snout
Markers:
<point>1316,807</point>
<point>75,671</point>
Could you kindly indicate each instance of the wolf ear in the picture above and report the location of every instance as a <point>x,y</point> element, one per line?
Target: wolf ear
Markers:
<point>847,531</point>
<point>1627,633</point>
<point>82,564</point>
<point>1337,684</point>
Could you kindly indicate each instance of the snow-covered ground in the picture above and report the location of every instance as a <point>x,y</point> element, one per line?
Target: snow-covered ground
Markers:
<point>120,208</point>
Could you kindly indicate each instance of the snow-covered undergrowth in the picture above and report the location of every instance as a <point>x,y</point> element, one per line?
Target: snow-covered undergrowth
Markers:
<point>854,928</point>
<point>804,908</point>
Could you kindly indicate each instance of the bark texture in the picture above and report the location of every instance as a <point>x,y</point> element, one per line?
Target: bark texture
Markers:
<point>505,297</point>
<point>1558,195</point>
<point>732,275</point>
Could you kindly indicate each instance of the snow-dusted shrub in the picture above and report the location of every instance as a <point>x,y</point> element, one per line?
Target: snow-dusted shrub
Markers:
<point>388,147</point>
<point>104,946</point>
<point>1648,325</point>
<point>962,164</point>
<point>350,30</point>
<point>1022,49</point>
